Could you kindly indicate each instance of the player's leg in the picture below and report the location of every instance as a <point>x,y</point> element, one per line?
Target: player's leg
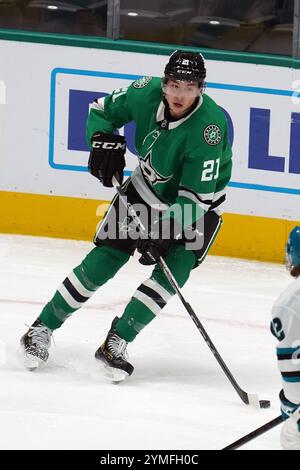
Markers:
<point>149,299</point>
<point>153,294</point>
<point>100,265</point>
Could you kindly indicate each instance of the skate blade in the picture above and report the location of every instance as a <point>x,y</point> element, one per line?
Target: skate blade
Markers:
<point>32,362</point>
<point>114,375</point>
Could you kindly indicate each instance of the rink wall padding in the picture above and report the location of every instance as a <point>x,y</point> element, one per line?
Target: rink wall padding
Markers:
<point>49,216</point>
<point>74,218</point>
<point>251,237</point>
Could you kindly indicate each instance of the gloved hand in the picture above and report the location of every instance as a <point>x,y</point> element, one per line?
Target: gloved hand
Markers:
<point>107,157</point>
<point>151,250</point>
<point>159,241</point>
<point>287,408</point>
<point>290,431</point>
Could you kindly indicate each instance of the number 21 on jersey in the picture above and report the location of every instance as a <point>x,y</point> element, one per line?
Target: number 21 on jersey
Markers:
<point>210,170</point>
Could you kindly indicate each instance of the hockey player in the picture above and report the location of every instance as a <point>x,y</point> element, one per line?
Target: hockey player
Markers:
<point>286,327</point>
<point>184,167</point>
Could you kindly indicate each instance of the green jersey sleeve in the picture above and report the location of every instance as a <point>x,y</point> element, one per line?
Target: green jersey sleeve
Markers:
<point>205,174</point>
<point>109,113</point>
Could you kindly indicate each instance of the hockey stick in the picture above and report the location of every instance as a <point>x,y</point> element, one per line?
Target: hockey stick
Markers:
<point>247,398</point>
<point>252,435</point>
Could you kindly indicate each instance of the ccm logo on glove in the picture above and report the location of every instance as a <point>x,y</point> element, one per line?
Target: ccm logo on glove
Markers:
<point>108,145</point>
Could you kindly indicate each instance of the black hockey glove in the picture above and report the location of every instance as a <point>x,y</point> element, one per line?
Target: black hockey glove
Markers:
<point>158,243</point>
<point>107,157</point>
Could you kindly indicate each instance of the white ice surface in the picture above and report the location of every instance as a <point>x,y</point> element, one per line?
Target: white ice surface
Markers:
<point>177,398</point>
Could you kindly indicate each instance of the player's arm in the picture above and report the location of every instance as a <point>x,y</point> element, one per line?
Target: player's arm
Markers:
<point>109,113</point>
<point>107,157</point>
<point>195,197</point>
<point>203,183</point>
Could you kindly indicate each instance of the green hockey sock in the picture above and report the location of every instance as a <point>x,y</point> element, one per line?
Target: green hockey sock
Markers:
<point>153,294</point>
<point>100,265</point>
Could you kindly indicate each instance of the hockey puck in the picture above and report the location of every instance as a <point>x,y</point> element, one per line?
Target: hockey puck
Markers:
<point>264,403</point>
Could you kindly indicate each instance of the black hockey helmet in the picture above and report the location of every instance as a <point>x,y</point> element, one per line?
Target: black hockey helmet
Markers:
<point>184,65</point>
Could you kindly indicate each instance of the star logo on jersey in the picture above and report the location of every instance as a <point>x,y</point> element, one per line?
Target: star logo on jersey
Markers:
<point>212,134</point>
<point>150,173</point>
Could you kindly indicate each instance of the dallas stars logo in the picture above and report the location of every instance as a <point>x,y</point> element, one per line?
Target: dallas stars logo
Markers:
<point>212,135</point>
<point>142,82</point>
<point>150,173</point>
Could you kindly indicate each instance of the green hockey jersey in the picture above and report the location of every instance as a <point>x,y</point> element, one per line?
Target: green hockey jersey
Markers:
<point>184,161</point>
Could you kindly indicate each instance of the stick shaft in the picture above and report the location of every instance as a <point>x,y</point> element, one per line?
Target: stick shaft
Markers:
<point>256,433</point>
<point>242,394</point>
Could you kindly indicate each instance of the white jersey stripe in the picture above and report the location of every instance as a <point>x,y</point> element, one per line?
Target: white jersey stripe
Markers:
<point>219,194</point>
<point>211,241</point>
<point>193,198</point>
<point>98,105</point>
<point>289,365</point>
